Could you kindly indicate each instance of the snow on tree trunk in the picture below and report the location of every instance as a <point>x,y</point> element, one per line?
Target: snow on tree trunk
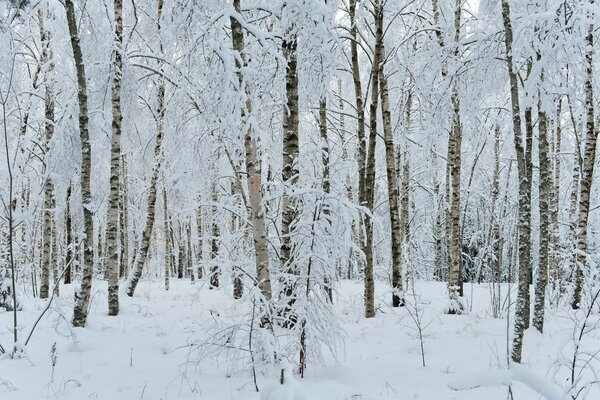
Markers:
<point>545,188</point>
<point>369,283</point>
<point>253,170</point>
<point>70,257</point>
<point>291,150</point>
<point>581,262</point>
<point>455,281</point>
<point>82,296</point>
<point>392,179</point>
<point>47,67</point>
<point>524,213</point>
<point>167,236</point>
<point>112,221</point>
<point>124,221</point>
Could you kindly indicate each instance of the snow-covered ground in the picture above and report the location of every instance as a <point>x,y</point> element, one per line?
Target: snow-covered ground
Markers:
<point>143,352</point>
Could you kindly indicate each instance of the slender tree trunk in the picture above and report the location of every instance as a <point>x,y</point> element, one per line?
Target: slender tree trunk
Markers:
<point>451,144</point>
<point>581,257</point>
<point>455,281</point>
<point>326,179</point>
<point>545,189</point>
<point>112,232</point>
<point>253,170</point>
<point>54,249</point>
<point>136,272</point>
<point>124,222</point>
<point>360,128</point>
<point>524,217</point>
<point>48,67</point>
<point>290,173</point>
<point>554,253</point>
<point>214,243</point>
<point>188,251</point>
<point>392,179</point>
<point>369,283</point>
<point>200,242</point>
<point>404,205</point>
<point>167,235</point>
<point>69,238</point>
<point>181,252</point>
<point>83,296</point>
<point>360,108</point>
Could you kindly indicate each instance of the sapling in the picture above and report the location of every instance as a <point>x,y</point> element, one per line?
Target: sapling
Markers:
<point>53,356</point>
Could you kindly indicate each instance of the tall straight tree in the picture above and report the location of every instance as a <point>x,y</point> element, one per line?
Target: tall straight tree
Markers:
<point>47,67</point>
<point>369,282</point>
<point>524,212</point>
<point>82,297</point>
<point>455,281</point>
<point>392,179</point>
<point>112,222</point>
<point>587,172</point>
<point>291,150</point>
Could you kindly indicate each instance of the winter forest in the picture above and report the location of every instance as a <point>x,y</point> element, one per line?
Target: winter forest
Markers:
<point>299,199</point>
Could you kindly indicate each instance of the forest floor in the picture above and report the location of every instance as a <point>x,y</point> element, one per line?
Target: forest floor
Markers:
<point>143,354</point>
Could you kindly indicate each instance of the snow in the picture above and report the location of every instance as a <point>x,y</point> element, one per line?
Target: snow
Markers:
<point>146,352</point>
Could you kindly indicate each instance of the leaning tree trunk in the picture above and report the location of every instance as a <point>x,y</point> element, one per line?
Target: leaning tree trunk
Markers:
<point>392,179</point>
<point>256,209</point>
<point>82,297</point>
<point>136,272</point>
<point>369,185</point>
<point>112,221</point>
<point>524,206</point>
<point>581,261</point>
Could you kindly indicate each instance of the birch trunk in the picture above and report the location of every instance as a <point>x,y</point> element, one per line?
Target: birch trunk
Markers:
<point>524,206</point>
<point>253,171</point>
<point>545,189</point>
<point>554,254</point>
<point>136,273</point>
<point>581,261</point>
<point>392,179</point>
<point>82,297</point>
<point>48,67</point>
<point>200,242</point>
<point>124,222</point>
<point>167,236</point>
<point>112,233</point>
<point>326,179</point>
<point>369,283</point>
<point>455,281</point>
<point>214,243</point>
<point>70,258</point>
<point>54,251</point>
<point>290,174</point>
